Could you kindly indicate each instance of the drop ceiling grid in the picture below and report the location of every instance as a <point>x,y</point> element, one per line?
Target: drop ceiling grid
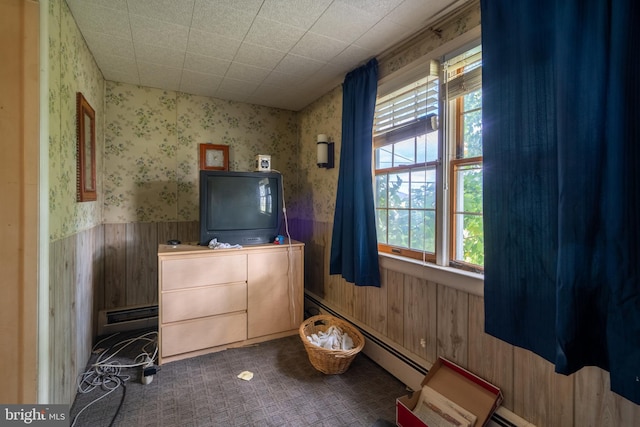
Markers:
<point>246,50</point>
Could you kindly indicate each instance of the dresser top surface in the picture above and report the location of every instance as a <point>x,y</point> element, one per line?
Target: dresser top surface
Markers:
<point>194,248</point>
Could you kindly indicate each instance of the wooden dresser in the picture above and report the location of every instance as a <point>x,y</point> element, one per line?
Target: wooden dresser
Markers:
<point>210,300</point>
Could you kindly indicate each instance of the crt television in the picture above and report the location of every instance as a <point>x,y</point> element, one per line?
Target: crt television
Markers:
<point>242,208</point>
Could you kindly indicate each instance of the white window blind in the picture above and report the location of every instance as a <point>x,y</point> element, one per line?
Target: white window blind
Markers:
<point>408,111</point>
<point>463,73</point>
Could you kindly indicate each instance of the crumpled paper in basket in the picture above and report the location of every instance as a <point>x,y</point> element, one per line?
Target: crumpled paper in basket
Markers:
<point>332,339</point>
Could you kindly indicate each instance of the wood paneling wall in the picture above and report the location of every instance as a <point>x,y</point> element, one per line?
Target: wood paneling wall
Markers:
<point>112,265</point>
<point>75,273</point>
<point>131,260</point>
<point>407,310</point>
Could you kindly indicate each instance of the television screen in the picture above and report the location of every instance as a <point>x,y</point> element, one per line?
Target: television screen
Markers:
<point>240,207</point>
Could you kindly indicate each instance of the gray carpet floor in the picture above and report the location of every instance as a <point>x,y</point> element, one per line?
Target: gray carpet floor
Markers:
<point>205,391</point>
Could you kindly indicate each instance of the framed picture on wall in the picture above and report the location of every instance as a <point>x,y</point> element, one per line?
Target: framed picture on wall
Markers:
<point>214,157</point>
<point>86,146</point>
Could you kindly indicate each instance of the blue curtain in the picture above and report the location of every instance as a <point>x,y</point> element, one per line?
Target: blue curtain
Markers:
<point>354,246</point>
<point>561,134</point>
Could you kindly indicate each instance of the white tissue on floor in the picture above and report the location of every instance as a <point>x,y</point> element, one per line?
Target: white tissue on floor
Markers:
<point>332,339</point>
<point>214,244</point>
<point>245,375</point>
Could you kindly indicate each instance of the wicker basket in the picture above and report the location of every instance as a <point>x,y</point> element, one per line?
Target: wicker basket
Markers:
<point>326,360</point>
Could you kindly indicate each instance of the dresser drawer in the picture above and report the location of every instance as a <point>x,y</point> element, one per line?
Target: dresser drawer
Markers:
<point>202,271</point>
<point>193,303</point>
<point>199,334</point>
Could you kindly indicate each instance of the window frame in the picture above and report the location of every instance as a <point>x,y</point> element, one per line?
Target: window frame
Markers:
<point>421,126</point>
<point>399,250</point>
<point>445,168</point>
<point>456,161</point>
<point>453,212</point>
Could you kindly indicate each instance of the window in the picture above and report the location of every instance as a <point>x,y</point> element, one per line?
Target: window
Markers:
<point>428,165</point>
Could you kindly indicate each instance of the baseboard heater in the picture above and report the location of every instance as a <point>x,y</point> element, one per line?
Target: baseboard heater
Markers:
<point>127,319</point>
<point>398,364</point>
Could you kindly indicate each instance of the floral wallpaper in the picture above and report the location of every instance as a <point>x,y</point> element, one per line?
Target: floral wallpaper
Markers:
<point>152,143</point>
<point>71,69</point>
<point>318,186</point>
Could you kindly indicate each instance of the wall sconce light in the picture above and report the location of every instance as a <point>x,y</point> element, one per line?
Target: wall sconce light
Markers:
<point>325,152</point>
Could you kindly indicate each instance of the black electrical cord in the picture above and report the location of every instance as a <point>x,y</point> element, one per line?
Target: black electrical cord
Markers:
<point>124,393</point>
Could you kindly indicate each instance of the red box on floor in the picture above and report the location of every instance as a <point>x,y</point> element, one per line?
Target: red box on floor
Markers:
<point>456,384</point>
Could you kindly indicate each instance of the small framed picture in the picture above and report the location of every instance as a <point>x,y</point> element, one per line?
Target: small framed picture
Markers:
<point>86,142</point>
<point>214,157</point>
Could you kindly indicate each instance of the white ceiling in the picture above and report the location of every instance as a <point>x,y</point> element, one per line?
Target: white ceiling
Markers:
<point>277,53</point>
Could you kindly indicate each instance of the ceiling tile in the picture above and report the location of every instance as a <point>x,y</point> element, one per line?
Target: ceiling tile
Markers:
<point>251,6</point>
<point>330,74</point>
<point>158,33</point>
<point>112,45</point>
<point>213,45</point>
<point>122,76</point>
<point>318,47</point>
<point>282,53</point>
<point>377,8</point>
<point>159,76</point>
<point>283,80</point>
<point>159,55</point>
<point>381,35</point>
<point>344,22</point>
<point>299,65</point>
<point>247,73</point>
<point>258,56</point>
<point>110,65</point>
<point>219,19</point>
<point>268,33</point>
<point>206,64</point>
<point>298,13</point>
<point>352,57</point>
<point>176,12</point>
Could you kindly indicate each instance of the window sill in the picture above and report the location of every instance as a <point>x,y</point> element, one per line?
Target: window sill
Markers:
<point>465,281</point>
